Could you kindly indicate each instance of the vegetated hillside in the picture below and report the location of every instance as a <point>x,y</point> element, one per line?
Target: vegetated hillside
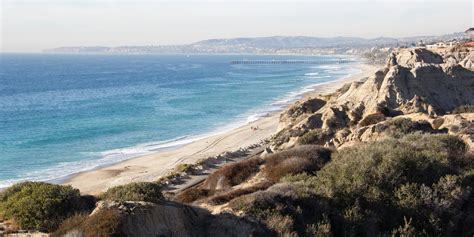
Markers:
<point>390,155</point>
<point>267,45</point>
<point>402,166</point>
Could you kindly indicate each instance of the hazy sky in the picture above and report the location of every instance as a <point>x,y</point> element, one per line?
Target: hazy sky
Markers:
<point>33,25</point>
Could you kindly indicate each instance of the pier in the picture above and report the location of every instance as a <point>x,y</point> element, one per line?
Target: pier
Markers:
<point>265,62</point>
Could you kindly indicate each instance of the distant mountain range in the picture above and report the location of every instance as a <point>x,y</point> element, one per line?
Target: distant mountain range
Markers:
<point>273,44</point>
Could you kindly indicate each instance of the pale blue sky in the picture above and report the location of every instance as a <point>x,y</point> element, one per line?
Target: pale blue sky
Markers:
<point>33,25</point>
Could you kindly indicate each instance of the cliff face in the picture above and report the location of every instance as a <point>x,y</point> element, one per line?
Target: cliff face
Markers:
<point>413,81</point>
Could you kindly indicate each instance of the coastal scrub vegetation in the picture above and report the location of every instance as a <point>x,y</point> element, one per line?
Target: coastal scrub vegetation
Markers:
<point>418,185</point>
<point>41,206</point>
<point>464,109</point>
<point>233,174</point>
<point>141,191</point>
<point>315,137</point>
<point>103,223</point>
<point>301,159</point>
<point>399,127</point>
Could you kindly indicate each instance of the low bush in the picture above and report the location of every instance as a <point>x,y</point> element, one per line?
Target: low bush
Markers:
<point>104,223</point>
<point>283,208</point>
<point>308,158</point>
<point>425,174</point>
<point>143,191</point>
<point>398,127</point>
<point>232,174</point>
<point>225,197</point>
<point>184,168</point>
<point>464,109</point>
<point>40,206</point>
<point>417,185</point>
<point>193,194</point>
<point>71,224</point>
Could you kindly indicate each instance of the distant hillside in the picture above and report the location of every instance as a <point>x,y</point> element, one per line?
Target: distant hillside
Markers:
<point>265,45</point>
<point>285,42</point>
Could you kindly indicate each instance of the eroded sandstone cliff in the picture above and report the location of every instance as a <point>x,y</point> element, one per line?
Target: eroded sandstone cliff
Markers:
<point>414,80</point>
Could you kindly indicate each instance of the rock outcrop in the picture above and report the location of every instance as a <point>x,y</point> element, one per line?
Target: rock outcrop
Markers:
<point>414,80</point>
<point>175,219</point>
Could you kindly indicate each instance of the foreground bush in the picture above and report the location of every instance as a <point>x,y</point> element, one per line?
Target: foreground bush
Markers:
<point>143,191</point>
<point>283,208</point>
<point>418,185</point>
<point>40,206</point>
<point>104,223</point>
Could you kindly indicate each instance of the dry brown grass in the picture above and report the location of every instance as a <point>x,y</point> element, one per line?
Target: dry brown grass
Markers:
<point>192,194</point>
<point>302,159</point>
<point>103,223</point>
<point>222,198</point>
<point>232,174</point>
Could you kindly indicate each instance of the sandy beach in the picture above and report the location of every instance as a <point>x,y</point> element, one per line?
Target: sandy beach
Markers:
<point>151,167</point>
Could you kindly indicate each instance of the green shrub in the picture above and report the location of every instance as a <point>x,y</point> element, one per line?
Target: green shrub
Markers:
<point>417,185</point>
<point>283,208</point>
<point>398,127</point>
<point>143,191</point>
<point>422,172</point>
<point>184,168</point>
<point>73,223</point>
<point>40,206</point>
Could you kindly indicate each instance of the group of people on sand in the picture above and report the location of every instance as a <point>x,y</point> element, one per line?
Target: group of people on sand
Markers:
<point>254,128</point>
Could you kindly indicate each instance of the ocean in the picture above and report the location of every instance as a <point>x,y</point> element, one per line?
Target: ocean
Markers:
<point>62,114</point>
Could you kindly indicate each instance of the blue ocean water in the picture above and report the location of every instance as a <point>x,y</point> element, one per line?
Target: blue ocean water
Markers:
<point>62,114</point>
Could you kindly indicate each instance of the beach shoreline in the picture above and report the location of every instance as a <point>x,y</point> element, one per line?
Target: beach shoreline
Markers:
<point>152,166</point>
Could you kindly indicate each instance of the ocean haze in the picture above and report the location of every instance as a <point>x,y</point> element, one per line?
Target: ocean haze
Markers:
<point>36,25</point>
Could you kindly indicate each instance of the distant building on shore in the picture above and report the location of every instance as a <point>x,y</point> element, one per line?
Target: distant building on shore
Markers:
<point>470,33</point>
<point>441,44</point>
